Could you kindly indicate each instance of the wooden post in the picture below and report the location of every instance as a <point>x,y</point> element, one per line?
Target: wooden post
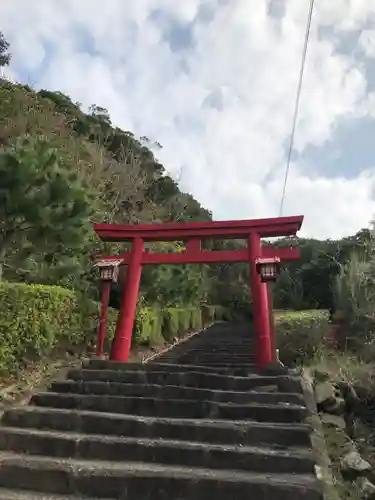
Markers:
<point>272,323</point>
<point>260,305</point>
<point>125,321</point>
<point>106,290</point>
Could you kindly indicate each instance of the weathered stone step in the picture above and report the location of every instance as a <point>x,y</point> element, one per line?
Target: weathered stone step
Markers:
<point>175,408</point>
<point>189,379</point>
<point>33,495</point>
<point>135,481</point>
<point>198,359</point>
<point>219,360</point>
<point>173,392</point>
<point>205,354</point>
<point>99,364</point>
<point>209,431</point>
<point>185,453</point>
<point>230,366</point>
<point>237,350</point>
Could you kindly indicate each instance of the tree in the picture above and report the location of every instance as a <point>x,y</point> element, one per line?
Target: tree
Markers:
<point>4,54</point>
<point>41,203</point>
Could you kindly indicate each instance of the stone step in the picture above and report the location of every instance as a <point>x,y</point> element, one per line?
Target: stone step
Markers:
<point>173,392</point>
<point>135,481</point>
<point>229,366</point>
<point>240,350</point>
<point>244,354</point>
<point>98,364</point>
<point>175,408</point>
<point>198,359</point>
<point>227,370</point>
<point>209,431</point>
<point>185,453</point>
<point>6,494</point>
<point>189,379</point>
<point>215,343</point>
<point>217,362</point>
<point>235,349</point>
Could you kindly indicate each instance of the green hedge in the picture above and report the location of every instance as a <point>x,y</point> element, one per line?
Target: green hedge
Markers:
<point>300,334</point>
<point>156,326</point>
<point>36,319</point>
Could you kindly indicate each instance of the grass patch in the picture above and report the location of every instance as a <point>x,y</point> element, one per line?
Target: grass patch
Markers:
<point>341,367</point>
<point>300,334</point>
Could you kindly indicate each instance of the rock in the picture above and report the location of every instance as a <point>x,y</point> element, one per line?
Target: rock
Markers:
<point>366,488</point>
<point>333,421</point>
<point>321,376</point>
<point>336,408</point>
<point>353,463</point>
<point>318,472</point>
<point>324,395</point>
<point>349,393</point>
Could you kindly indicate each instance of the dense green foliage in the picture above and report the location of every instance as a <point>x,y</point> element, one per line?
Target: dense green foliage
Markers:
<point>160,325</point>
<point>37,320</point>
<point>34,319</point>
<point>355,299</point>
<point>310,283</point>
<point>300,335</point>
<point>41,202</point>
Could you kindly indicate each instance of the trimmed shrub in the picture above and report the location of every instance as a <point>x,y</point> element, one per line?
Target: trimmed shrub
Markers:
<point>208,314</point>
<point>37,319</point>
<point>175,321</point>
<point>300,335</point>
<point>184,320</point>
<point>34,319</point>
<point>170,323</point>
<point>148,326</point>
<point>195,319</point>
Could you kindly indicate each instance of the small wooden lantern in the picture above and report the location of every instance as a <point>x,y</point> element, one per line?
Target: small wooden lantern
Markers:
<point>268,268</point>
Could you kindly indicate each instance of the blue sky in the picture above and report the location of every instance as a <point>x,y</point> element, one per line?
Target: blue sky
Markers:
<point>214,82</point>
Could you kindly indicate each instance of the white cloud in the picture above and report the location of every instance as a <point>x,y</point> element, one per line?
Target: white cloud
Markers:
<point>244,60</point>
<point>367,42</point>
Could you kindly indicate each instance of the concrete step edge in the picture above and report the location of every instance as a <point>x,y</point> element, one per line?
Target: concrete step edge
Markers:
<point>293,451</point>
<point>152,365</point>
<point>216,423</point>
<point>144,469</point>
<point>266,406</point>
<point>6,494</point>
<point>266,379</point>
<point>159,387</point>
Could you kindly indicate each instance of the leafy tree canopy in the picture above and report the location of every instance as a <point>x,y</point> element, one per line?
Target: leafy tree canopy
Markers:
<point>41,202</point>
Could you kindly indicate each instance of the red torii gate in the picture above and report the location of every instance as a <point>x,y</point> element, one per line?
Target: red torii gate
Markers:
<point>193,233</point>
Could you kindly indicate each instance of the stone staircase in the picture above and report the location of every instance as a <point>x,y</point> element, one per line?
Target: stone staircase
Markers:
<point>198,424</point>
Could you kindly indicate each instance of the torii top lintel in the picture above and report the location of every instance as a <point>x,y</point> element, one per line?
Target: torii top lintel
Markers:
<point>234,229</point>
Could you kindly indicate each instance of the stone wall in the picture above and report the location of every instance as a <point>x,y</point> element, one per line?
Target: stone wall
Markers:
<point>345,419</point>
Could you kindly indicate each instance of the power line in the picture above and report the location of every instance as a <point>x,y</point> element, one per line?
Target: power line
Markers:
<point>296,107</point>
